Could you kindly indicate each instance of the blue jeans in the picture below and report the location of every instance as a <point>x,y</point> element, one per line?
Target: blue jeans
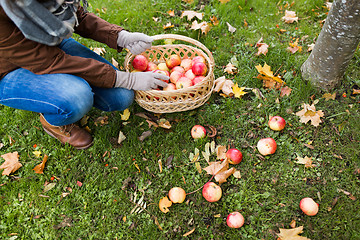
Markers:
<point>62,98</point>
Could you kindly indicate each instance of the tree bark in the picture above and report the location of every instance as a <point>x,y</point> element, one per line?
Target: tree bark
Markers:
<point>335,45</point>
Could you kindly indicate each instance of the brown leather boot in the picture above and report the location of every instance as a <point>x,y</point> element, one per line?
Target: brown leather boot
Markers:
<point>72,134</point>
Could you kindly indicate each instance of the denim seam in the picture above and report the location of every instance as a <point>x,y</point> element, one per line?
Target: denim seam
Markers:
<point>32,100</point>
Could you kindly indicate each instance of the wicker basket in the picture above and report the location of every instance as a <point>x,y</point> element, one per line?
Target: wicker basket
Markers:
<point>176,100</point>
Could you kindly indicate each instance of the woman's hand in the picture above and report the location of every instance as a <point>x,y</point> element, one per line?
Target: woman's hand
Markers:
<point>136,42</point>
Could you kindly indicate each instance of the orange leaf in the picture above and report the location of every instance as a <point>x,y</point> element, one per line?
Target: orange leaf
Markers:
<point>189,232</point>
<point>11,163</point>
<point>171,13</point>
<point>164,204</point>
<point>309,113</point>
<point>356,91</point>
<point>39,169</point>
<point>220,170</point>
<point>214,20</point>
<point>285,91</point>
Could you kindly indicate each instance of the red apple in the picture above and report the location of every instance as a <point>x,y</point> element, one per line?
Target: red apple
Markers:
<point>189,74</point>
<point>199,69</point>
<point>140,63</point>
<point>198,131</point>
<point>234,156</point>
<point>151,67</point>
<point>211,192</point>
<point>173,60</point>
<point>164,72</point>
<point>178,69</point>
<point>163,66</point>
<point>197,79</point>
<point>183,82</point>
<point>177,195</point>
<point>309,206</point>
<point>198,59</point>
<point>277,123</point>
<point>266,146</point>
<point>186,64</point>
<point>174,76</point>
<point>170,87</point>
<point>235,220</point>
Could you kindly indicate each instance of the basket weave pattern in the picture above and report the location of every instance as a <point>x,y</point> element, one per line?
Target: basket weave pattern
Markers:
<point>181,99</point>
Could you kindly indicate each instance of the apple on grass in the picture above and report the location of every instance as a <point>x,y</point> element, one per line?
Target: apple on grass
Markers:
<point>198,131</point>
<point>177,195</point>
<point>266,146</point>
<point>212,192</point>
<point>140,63</point>
<point>309,206</point>
<point>277,123</point>
<point>234,155</point>
<point>173,60</point>
<point>235,220</point>
<point>199,69</point>
<point>183,82</point>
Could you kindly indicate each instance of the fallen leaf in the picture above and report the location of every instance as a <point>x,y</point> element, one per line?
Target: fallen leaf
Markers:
<point>145,135</point>
<point>168,25</point>
<point>356,91</point>
<point>191,14</point>
<point>203,26</point>
<point>114,62</point>
<point>125,115</point>
<point>309,113</point>
<point>214,20</point>
<point>262,47</point>
<point>188,1</point>
<point>266,71</point>
<point>164,204</point>
<point>311,47</point>
<point>99,51</point>
<point>224,1</point>
<point>237,174</point>
<point>189,232</point>
<point>48,187</point>
<point>238,91</point>
<point>164,123</point>
<point>224,85</point>
<point>37,153</point>
<point>65,223</point>
<point>294,47</point>
<point>171,13</point>
<point>101,121</point>
<point>220,152</point>
<point>230,28</point>
<point>39,169</point>
<point>220,170</point>
<point>290,17</point>
<point>79,183</point>
<point>306,161</point>
<point>121,137</point>
<point>291,234</point>
<point>293,223</point>
<point>285,91</point>
<point>329,96</point>
<point>11,163</point>
<point>230,68</point>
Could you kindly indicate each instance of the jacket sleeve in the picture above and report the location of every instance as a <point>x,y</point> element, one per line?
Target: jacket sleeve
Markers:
<point>43,59</point>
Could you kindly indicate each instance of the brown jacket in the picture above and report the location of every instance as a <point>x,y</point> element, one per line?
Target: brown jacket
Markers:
<point>18,52</point>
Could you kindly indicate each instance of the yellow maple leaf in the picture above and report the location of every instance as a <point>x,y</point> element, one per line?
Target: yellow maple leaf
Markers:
<point>307,161</point>
<point>291,234</point>
<point>11,163</point>
<point>37,153</point>
<point>309,113</point>
<point>266,71</point>
<point>126,114</point>
<point>329,96</point>
<point>238,91</point>
<point>224,1</point>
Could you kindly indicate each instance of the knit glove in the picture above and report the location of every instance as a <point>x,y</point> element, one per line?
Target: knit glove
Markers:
<point>135,42</point>
<point>140,80</point>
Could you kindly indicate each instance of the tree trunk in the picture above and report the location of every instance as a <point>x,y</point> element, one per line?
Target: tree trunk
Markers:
<point>335,45</point>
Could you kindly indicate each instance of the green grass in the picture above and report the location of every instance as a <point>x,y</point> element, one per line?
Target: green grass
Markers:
<point>269,190</point>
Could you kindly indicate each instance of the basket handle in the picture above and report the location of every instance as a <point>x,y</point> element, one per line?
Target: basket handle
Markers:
<point>186,39</point>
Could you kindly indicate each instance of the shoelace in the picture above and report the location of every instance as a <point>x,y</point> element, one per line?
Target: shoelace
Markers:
<point>67,129</point>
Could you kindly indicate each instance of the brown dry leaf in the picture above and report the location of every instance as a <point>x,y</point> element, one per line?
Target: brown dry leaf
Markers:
<point>309,113</point>
<point>203,26</point>
<point>262,47</point>
<point>224,1</point>
<point>188,1</point>
<point>329,96</point>
<point>230,68</point>
<point>306,161</point>
<point>356,91</point>
<point>285,91</point>
<point>168,25</point>
<point>99,51</point>
<point>220,170</point>
<point>291,234</point>
<point>164,204</point>
<point>189,232</point>
<point>39,169</point>
<point>191,14</point>
<point>164,123</point>
<point>101,121</point>
<point>290,17</point>
<point>238,91</point>
<point>294,47</point>
<point>224,85</point>
<point>293,223</point>
<point>237,174</point>
<point>230,28</point>
<point>220,152</point>
<point>11,163</point>
<point>214,20</point>
<point>121,137</point>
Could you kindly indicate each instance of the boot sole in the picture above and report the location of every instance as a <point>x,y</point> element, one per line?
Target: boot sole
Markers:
<point>79,148</point>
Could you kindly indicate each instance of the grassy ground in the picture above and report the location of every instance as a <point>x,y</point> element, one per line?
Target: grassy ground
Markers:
<point>269,191</point>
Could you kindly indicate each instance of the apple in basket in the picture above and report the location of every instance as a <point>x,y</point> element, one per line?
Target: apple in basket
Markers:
<point>140,63</point>
<point>166,73</point>
<point>163,66</point>
<point>175,76</point>
<point>178,69</point>
<point>186,63</point>
<point>151,67</point>
<point>189,74</point>
<point>169,87</point>
<point>198,59</point>
<point>172,61</point>
<point>197,79</point>
<point>183,82</point>
<point>199,69</point>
